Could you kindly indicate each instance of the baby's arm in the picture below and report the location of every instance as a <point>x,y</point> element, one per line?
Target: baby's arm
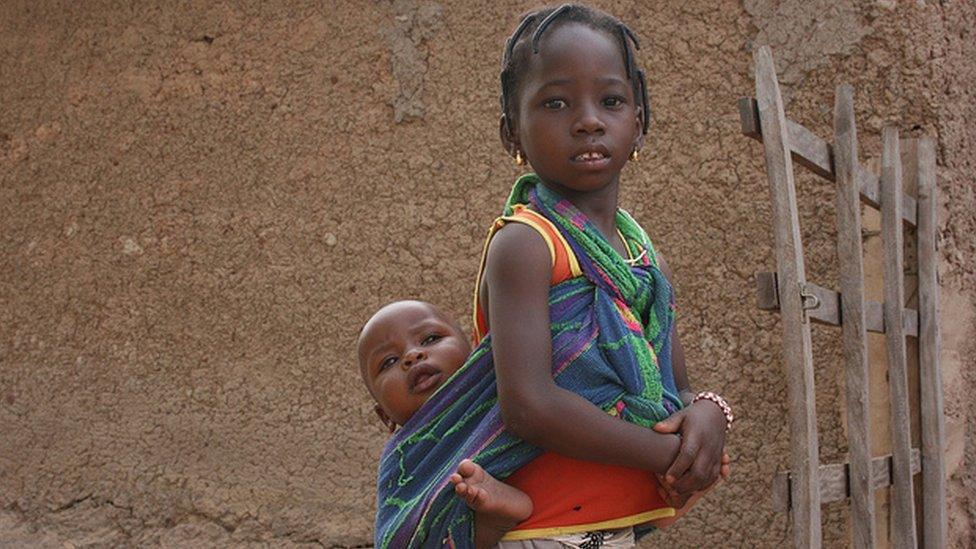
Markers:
<point>517,274</point>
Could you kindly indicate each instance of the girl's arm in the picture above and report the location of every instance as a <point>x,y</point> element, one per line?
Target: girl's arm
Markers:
<point>533,407</point>
<point>702,427</point>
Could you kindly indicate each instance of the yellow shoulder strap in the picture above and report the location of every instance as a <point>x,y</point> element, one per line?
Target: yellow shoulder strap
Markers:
<point>550,235</point>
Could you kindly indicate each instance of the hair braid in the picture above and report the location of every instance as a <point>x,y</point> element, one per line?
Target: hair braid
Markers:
<point>537,35</point>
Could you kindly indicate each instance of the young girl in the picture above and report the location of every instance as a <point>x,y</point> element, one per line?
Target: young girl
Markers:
<point>574,316</point>
<point>575,109</point>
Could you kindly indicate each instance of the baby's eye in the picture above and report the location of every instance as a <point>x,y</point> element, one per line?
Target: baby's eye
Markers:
<point>613,101</point>
<point>555,104</point>
<point>387,362</point>
<point>430,339</point>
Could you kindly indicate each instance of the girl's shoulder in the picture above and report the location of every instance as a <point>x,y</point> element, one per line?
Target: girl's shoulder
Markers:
<point>525,225</point>
<point>517,249</point>
<point>515,261</point>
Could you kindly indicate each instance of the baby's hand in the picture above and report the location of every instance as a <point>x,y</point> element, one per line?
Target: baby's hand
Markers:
<point>726,466</point>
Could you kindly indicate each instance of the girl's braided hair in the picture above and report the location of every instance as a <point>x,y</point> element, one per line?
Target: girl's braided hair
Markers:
<point>529,33</point>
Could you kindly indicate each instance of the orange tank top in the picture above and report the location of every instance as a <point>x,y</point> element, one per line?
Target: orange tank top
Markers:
<point>570,495</point>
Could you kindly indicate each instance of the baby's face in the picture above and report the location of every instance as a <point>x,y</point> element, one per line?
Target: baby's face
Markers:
<point>406,351</point>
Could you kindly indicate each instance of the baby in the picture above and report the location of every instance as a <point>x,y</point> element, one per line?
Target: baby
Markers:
<point>406,351</point>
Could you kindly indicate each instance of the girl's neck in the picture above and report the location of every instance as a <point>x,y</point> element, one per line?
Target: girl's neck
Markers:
<point>600,206</point>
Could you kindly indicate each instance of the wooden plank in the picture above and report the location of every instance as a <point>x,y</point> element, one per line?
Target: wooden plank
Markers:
<point>797,353</point>
<point>868,183</point>
<point>749,118</point>
<point>806,148</point>
<point>834,480</point>
<point>903,503</point>
<point>829,312</point>
<point>817,155</point>
<point>911,322</point>
<point>854,329</point>
<point>934,517</point>
<point>870,195</point>
<point>909,185</point>
<point>766,290</point>
<point>909,211</point>
<point>829,305</point>
<point>875,317</point>
<point>809,150</point>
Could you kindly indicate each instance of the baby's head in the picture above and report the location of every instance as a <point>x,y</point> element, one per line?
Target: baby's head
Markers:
<point>406,350</point>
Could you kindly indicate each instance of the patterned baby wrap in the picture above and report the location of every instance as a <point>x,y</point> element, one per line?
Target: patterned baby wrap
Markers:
<point>611,343</point>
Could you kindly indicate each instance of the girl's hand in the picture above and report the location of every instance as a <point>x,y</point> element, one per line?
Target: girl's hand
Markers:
<point>700,460</point>
<point>672,498</point>
<point>683,502</point>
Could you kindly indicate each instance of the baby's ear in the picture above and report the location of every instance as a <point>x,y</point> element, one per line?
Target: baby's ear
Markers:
<point>390,424</point>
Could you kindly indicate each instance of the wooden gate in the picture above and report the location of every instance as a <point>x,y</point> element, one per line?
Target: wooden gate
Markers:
<point>809,484</point>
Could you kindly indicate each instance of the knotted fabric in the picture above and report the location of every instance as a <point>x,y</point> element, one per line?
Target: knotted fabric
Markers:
<point>611,344</point>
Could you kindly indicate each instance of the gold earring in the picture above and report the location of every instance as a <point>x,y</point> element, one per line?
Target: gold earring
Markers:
<point>633,155</point>
<point>519,159</point>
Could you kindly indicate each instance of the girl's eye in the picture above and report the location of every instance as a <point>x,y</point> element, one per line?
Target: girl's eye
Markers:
<point>387,362</point>
<point>555,104</point>
<point>430,339</point>
<point>613,101</point>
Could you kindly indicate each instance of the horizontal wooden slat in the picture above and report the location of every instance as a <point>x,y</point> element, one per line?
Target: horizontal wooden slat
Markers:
<point>868,182</point>
<point>834,480</point>
<point>806,148</point>
<point>871,195</point>
<point>829,310</point>
<point>816,155</point>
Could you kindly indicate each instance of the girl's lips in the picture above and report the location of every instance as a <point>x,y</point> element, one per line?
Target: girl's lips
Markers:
<point>592,163</point>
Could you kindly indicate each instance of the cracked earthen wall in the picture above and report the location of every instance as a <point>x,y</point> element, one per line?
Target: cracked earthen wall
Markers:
<point>200,203</point>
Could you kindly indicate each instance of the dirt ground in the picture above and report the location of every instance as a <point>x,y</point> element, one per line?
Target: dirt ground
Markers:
<point>201,202</point>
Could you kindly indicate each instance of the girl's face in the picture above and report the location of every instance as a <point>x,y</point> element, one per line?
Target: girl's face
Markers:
<point>577,120</point>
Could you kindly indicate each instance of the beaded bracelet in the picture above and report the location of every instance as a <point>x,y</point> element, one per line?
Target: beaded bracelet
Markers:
<point>726,409</point>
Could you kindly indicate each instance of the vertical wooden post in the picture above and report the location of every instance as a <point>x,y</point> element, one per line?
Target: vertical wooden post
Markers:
<point>909,184</point>
<point>797,353</point>
<point>934,520</point>
<point>852,312</point>
<point>903,504</point>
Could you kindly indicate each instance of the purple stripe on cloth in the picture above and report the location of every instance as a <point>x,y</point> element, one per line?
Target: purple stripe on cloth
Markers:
<point>576,350</point>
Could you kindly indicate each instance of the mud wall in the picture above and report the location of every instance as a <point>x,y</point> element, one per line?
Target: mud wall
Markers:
<point>200,203</point>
